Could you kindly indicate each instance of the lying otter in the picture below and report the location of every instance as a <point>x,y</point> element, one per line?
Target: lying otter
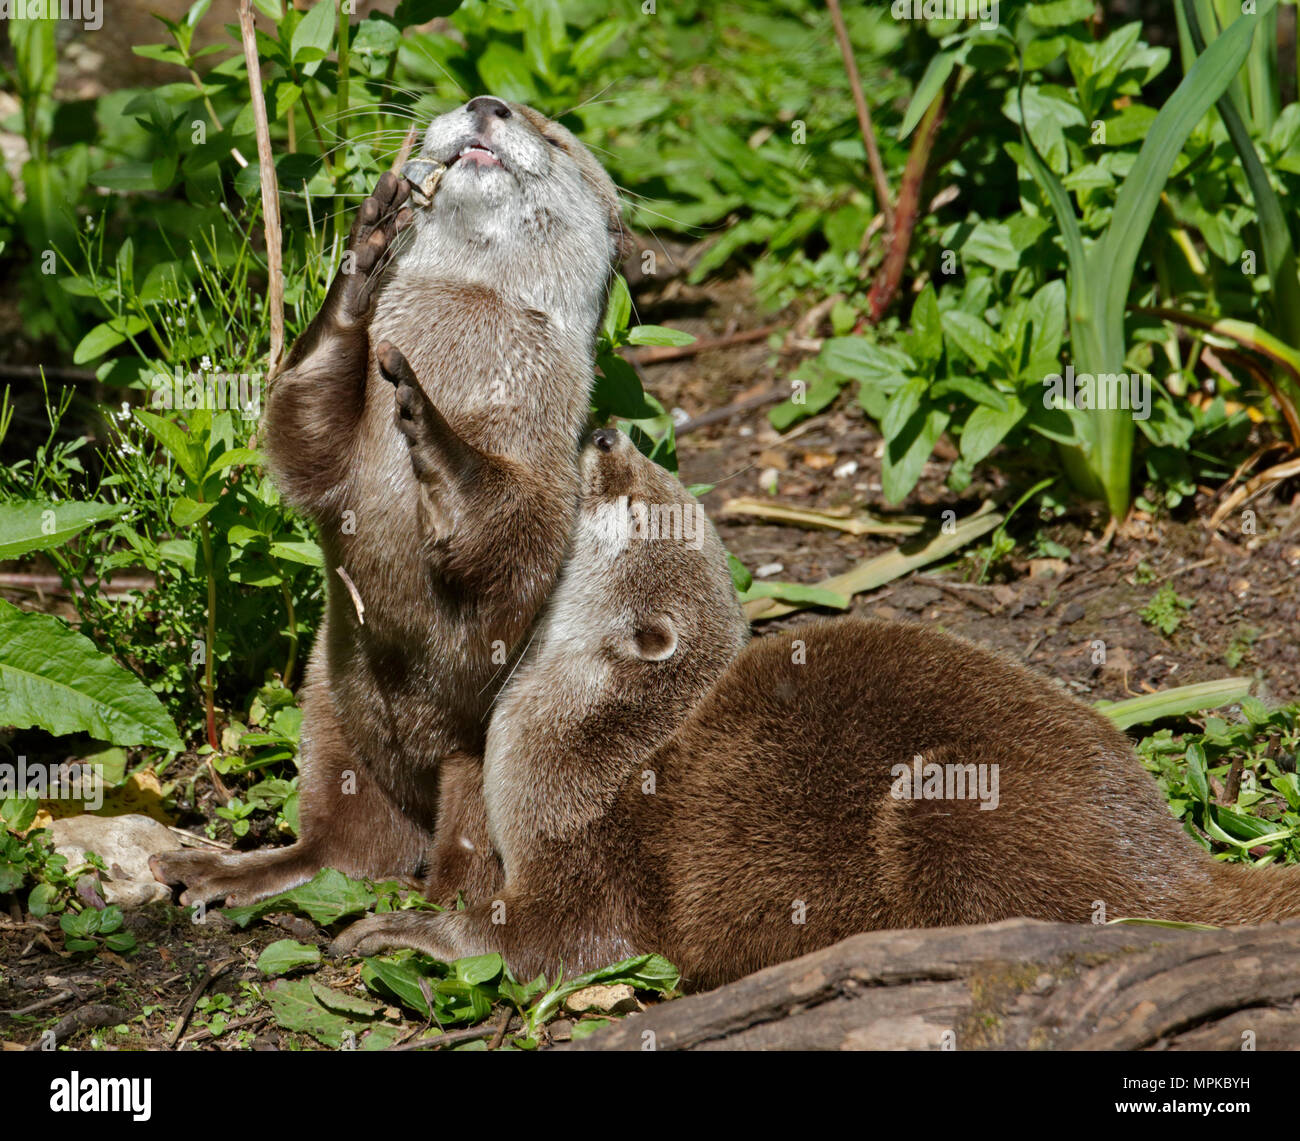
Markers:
<point>494,292</point>
<point>841,777</point>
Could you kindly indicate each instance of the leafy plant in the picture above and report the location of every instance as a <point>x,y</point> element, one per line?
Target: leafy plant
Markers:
<point>1165,610</point>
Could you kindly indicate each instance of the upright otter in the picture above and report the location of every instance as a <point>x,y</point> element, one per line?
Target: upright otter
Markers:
<point>841,777</point>
<point>494,295</point>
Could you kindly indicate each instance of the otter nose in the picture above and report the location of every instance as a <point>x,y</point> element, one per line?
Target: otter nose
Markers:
<point>483,107</point>
<point>605,438</point>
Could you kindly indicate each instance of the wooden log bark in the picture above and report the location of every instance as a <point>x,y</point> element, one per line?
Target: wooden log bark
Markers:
<point>1016,985</point>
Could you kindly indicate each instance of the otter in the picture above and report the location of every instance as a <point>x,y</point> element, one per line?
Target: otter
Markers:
<point>492,295</point>
<point>841,777</point>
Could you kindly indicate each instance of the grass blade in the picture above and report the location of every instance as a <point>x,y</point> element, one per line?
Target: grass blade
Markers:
<point>1175,702</point>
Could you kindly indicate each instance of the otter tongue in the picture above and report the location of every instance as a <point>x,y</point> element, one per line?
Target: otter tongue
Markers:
<point>424,176</point>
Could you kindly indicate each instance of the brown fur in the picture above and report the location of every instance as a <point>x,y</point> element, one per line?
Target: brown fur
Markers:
<point>449,507</point>
<point>773,799</point>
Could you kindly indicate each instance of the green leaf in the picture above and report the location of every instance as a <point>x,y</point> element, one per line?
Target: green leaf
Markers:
<point>295,1007</point>
<point>38,526</point>
<point>285,955</point>
<point>188,454</point>
<point>304,551</point>
<point>972,336</point>
<point>422,11</point>
<point>1059,13</point>
<point>56,679</point>
<point>658,335</point>
<point>314,35</point>
<point>796,592</point>
<point>505,72</point>
<point>400,975</point>
<point>186,511</point>
<point>927,90</point>
<point>987,427</point>
<point>478,968</point>
<point>108,335</point>
<point>330,895</point>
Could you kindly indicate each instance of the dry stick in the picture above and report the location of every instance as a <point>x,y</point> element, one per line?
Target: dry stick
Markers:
<point>864,115</point>
<point>188,1009</point>
<point>909,207</point>
<point>727,411</point>
<point>270,189</point>
<point>408,144</point>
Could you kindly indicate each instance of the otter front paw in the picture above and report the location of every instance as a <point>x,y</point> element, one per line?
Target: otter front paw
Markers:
<point>381,217</point>
<point>432,444</point>
<point>207,876</point>
<point>434,935</point>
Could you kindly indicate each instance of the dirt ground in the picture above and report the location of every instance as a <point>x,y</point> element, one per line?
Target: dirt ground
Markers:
<point>1243,593</point>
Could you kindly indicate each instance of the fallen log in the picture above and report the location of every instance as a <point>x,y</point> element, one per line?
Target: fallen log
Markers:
<point>1016,985</point>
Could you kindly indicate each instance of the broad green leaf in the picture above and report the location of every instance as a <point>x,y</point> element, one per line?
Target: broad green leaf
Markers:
<point>478,968</point>
<point>111,333</point>
<point>26,527</point>
<point>285,955</point>
<point>987,427</point>
<point>313,35</point>
<point>186,511</point>
<point>58,680</point>
<point>295,1007</point>
<point>328,896</point>
<point>305,552</point>
<point>187,453</point>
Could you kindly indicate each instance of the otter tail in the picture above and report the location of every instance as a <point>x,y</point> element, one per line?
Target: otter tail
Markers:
<point>1243,894</point>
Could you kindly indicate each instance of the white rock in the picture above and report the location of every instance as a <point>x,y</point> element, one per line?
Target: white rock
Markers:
<point>125,844</point>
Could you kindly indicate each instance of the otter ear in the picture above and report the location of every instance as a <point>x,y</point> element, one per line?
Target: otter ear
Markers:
<point>655,638</point>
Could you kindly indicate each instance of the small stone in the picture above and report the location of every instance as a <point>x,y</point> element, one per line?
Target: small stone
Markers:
<point>617,999</point>
<point>1072,613</point>
<point>846,469</point>
<point>768,569</point>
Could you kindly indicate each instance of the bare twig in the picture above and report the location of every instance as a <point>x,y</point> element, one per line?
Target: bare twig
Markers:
<point>270,189</point>
<point>727,411</point>
<point>206,981</point>
<point>864,115</point>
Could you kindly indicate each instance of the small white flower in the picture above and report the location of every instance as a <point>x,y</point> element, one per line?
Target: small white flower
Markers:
<point>205,365</point>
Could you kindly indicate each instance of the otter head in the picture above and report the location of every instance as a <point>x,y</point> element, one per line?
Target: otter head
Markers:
<point>643,620</point>
<point>647,582</point>
<point>521,207</point>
